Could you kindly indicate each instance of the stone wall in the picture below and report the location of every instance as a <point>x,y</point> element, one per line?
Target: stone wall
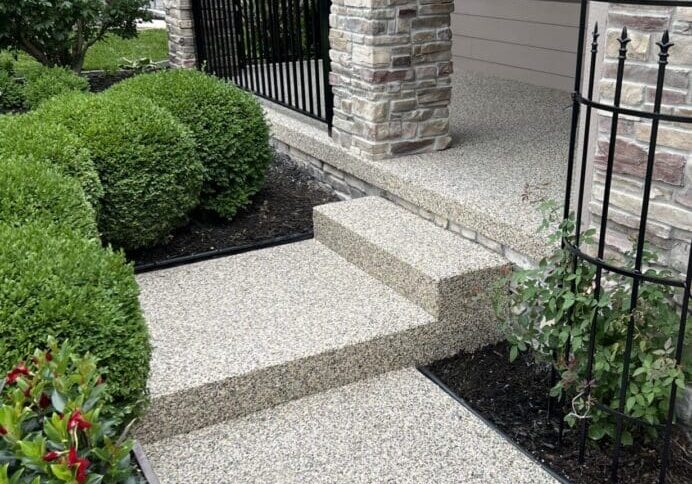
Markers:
<point>391,65</point>
<point>670,213</point>
<point>670,220</point>
<point>347,187</point>
<point>181,33</point>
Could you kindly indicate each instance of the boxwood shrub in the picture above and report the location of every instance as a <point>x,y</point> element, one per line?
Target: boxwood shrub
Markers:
<point>28,135</point>
<point>11,92</point>
<point>46,82</point>
<point>33,191</point>
<point>66,286</point>
<point>145,159</point>
<point>229,127</point>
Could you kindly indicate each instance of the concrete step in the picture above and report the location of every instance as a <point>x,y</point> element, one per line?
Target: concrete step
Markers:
<point>450,277</point>
<point>240,334</point>
<point>397,427</point>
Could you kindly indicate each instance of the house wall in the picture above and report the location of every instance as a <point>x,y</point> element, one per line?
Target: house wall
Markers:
<point>527,40</point>
<point>669,227</point>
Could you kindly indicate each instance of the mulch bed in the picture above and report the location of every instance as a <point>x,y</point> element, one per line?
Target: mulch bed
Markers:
<point>514,397</point>
<point>282,208</point>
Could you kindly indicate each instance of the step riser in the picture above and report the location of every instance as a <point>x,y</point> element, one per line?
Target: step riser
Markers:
<point>199,407</point>
<point>457,299</point>
<point>369,257</point>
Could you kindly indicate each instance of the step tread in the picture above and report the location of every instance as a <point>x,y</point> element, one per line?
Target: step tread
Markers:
<point>397,427</point>
<point>236,315</point>
<point>436,252</point>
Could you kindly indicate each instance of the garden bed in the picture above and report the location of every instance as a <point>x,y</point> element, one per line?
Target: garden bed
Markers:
<point>513,396</point>
<point>282,208</point>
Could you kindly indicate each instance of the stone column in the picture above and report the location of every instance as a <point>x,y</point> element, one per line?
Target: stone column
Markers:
<point>181,33</point>
<point>390,71</point>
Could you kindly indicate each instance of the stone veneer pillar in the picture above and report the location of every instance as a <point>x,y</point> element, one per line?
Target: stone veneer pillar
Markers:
<point>181,33</point>
<point>390,72</point>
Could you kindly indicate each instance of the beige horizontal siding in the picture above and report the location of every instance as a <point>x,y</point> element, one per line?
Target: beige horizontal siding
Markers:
<point>528,40</point>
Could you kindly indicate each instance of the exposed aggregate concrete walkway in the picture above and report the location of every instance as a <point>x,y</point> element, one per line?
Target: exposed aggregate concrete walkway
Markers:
<point>398,427</point>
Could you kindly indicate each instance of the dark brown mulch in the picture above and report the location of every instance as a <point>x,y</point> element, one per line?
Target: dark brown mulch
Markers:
<point>282,208</point>
<point>100,81</point>
<point>514,397</point>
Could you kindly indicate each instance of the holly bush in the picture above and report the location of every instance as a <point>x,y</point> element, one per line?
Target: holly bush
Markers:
<point>557,303</point>
<point>54,425</point>
<point>59,33</point>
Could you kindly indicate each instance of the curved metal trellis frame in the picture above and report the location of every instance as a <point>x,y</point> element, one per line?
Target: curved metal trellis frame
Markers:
<point>572,243</point>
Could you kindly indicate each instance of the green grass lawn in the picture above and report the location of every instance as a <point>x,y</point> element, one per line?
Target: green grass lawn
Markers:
<point>109,53</point>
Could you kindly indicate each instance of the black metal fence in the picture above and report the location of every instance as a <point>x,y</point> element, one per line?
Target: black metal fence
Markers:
<point>583,111</point>
<point>277,49</point>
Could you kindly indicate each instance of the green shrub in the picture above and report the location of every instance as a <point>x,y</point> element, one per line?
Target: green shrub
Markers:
<point>229,127</point>
<point>28,135</point>
<point>46,82</point>
<point>56,424</point>
<point>33,191</point>
<point>146,161</point>
<point>11,92</point>
<point>60,33</point>
<point>68,287</point>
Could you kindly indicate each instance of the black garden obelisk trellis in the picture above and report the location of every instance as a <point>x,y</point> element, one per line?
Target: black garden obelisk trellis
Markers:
<point>583,107</point>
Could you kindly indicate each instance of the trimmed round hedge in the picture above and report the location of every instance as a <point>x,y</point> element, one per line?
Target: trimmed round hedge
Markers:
<point>229,127</point>
<point>45,82</point>
<point>145,159</point>
<point>64,285</point>
<point>29,135</point>
<point>33,191</point>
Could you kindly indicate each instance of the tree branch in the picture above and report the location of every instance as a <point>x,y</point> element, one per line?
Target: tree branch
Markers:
<point>35,52</point>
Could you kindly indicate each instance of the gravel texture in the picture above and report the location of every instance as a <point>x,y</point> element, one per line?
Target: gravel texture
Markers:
<point>398,427</point>
<point>433,267</point>
<point>508,154</point>
<point>251,331</point>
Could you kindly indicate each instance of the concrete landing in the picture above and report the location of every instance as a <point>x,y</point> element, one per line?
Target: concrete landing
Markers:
<point>509,153</point>
<point>236,335</point>
<point>398,427</point>
<point>433,267</point>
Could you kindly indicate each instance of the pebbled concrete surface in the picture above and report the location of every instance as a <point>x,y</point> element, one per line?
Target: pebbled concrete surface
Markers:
<point>509,152</point>
<point>431,266</point>
<point>248,332</point>
<point>398,427</point>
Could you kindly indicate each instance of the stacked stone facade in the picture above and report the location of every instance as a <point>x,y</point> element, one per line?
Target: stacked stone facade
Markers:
<point>669,226</point>
<point>181,33</point>
<point>390,72</point>
<point>670,213</point>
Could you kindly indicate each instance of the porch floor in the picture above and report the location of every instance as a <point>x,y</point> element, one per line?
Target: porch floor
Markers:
<point>509,153</point>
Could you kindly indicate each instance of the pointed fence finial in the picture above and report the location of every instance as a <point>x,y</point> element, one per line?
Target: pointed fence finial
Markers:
<point>664,44</point>
<point>624,40</point>
<point>594,39</point>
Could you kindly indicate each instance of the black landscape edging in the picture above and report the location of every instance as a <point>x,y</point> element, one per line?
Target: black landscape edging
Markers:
<point>213,254</point>
<point>433,378</point>
<point>143,464</point>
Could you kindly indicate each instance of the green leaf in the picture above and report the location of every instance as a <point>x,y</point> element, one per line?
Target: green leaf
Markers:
<point>627,438</point>
<point>58,401</point>
<point>596,431</point>
<point>62,472</point>
<point>513,353</point>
